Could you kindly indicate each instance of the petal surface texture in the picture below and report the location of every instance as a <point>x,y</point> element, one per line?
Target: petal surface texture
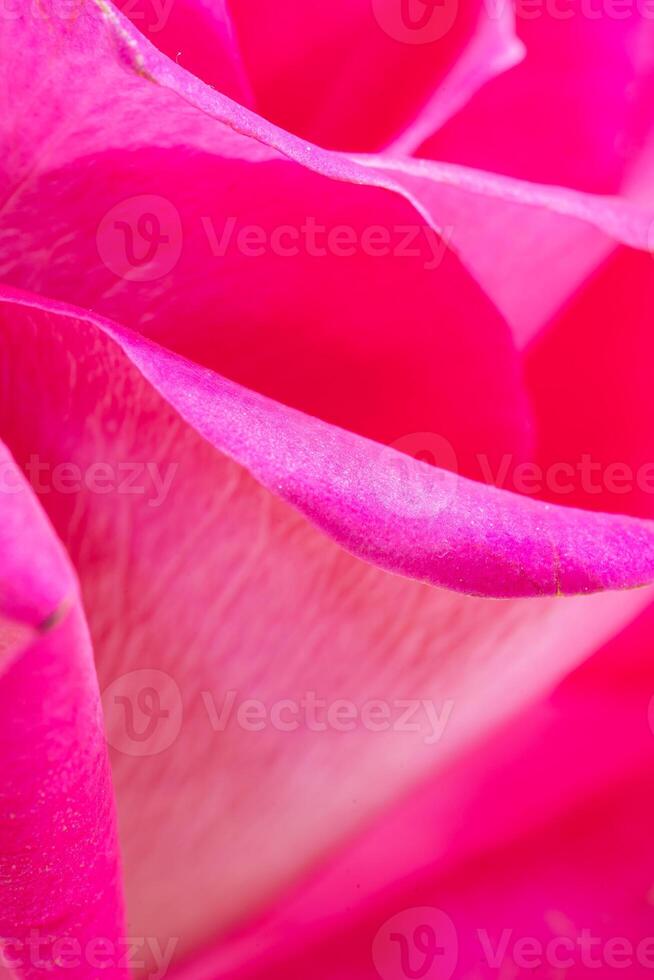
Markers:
<point>576,112</point>
<point>202,585</point>
<point>61,907</point>
<point>353,75</point>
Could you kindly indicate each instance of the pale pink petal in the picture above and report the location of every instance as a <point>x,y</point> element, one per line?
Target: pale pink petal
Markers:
<point>563,847</point>
<point>207,580</point>
<point>393,510</point>
<point>199,581</point>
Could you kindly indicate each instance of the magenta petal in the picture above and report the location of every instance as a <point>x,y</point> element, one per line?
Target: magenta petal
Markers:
<point>198,35</point>
<point>505,232</point>
<point>492,49</point>
<point>511,232</point>
<point>61,905</point>
<point>391,509</point>
<point>210,583</point>
<point>179,159</point>
<point>349,75</point>
<point>588,80</point>
<point>592,397</point>
<point>222,579</point>
<point>32,592</point>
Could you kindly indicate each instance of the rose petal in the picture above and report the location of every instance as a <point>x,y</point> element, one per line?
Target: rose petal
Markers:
<point>163,597</point>
<point>566,781</point>
<point>590,375</point>
<point>198,35</point>
<point>298,325</point>
<point>392,510</point>
<point>199,582</point>
<point>492,49</point>
<point>475,225</point>
<point>61,899</point>
<point>589,82</point>
<point>31,591</point>
<point>510,233</point>
<point>353,75</point>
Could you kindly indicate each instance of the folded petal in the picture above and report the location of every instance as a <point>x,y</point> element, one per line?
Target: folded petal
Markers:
<point>199,578</point>
<point>354,75</point>
<point>588,80</point>
<point>590,378</point>
<point>206,592</point>
<point>198,35</point>
<point>61,895</point>
<point>560,880</point>
<point>164,214</point>
<point>492,49</point>
<point>393,510</point>
<point>32,592</point>
<point>200,216</point>
<point>510,233</point>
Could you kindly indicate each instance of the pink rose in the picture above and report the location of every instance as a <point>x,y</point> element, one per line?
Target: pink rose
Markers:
<point>326,405</point>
